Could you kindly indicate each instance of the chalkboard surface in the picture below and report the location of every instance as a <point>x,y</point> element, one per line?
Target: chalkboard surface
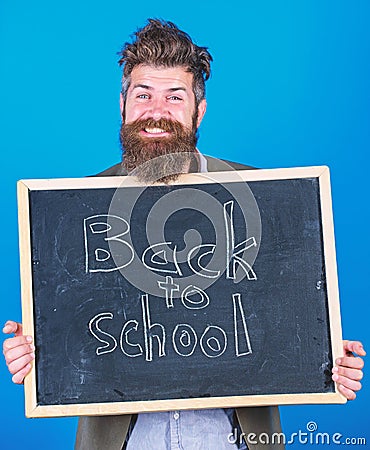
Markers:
<point>194,302</point>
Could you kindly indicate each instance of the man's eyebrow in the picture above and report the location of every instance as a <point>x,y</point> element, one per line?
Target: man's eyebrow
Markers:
<point>146,86</point>
<point>143,86</point>
<point>177,89</point>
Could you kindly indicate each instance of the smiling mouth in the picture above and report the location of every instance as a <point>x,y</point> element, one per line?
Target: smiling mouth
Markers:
<point>156,131</point>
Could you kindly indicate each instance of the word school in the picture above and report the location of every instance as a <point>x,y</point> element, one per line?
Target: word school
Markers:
<point>213,341</point>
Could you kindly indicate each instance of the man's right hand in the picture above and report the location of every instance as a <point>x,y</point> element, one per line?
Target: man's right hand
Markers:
<point>19,351</point>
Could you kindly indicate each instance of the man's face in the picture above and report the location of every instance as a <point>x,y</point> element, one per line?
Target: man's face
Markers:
<point>158,93</point>
<point>160,121</point>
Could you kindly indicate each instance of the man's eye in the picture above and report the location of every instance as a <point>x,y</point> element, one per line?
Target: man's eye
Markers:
<point>144,96</point>
<point>175,98</point>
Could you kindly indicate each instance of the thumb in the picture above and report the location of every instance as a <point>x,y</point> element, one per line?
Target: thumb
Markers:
<point>13,327</point>
<point>351,347</point>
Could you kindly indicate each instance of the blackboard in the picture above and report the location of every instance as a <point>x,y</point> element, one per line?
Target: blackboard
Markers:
<point>217,291</point>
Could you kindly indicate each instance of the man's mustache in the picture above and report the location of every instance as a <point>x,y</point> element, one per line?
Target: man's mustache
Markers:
<point>168,125</point>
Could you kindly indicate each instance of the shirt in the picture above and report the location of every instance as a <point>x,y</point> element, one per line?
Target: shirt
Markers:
<point>205,429</point>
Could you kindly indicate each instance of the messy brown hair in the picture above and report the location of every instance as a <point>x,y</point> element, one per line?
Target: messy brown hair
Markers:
<point>162,44</point>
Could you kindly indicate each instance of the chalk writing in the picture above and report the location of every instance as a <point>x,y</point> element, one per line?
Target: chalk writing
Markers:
<point>188,300</point>
<point>106,234</point>
<point>213,341</point>
<point>170,287</point>
<point>95,236</point>
<point>103,234</point>
<point>95,329</point>
<point>233,251</point>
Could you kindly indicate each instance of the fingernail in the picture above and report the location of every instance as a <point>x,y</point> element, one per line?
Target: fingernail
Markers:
<point>32,355</point>
<point>335,369</point>
<point>338,361</point>
<point>335,377</point>
<point>29,338</point>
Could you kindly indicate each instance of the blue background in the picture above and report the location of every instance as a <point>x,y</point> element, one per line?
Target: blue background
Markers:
<point>290,87</point>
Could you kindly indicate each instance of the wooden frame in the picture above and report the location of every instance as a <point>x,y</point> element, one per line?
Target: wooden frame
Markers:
<point>31,404</point>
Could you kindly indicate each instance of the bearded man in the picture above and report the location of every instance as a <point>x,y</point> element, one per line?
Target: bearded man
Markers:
<point>162,104</point>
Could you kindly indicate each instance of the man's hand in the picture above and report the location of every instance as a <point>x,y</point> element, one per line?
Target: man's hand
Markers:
<point>18,351</point>
<point>348,370</point>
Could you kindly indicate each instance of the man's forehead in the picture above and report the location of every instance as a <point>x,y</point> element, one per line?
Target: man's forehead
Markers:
<point>170,78</point>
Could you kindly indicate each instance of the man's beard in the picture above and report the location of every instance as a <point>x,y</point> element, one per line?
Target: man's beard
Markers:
<point>161,159</point>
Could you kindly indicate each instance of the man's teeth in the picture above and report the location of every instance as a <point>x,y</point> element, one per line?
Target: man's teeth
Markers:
<point>154,130</point>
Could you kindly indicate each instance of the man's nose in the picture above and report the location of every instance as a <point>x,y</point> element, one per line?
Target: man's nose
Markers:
<point>159,109</point>
<point>157,115</point>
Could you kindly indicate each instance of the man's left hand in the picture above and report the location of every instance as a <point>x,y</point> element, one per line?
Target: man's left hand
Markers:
<point>347,372</point>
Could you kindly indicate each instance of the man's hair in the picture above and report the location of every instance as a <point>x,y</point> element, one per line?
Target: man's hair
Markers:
<point>163,44</point>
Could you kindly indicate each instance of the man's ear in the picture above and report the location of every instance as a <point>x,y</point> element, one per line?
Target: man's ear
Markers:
<point>121,104</point>
<point>201,111</point>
